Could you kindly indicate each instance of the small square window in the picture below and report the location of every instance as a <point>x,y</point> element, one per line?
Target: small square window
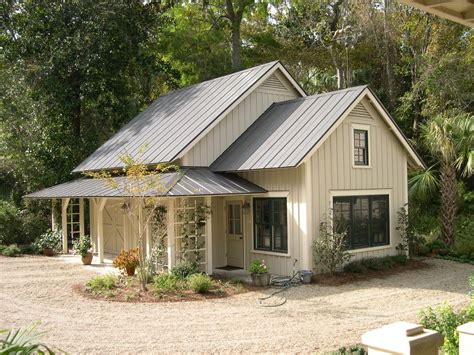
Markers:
<point>361,147</point>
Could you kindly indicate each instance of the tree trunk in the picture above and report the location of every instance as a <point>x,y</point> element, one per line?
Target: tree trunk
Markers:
<point>448,202</point>
<point>236,45</point>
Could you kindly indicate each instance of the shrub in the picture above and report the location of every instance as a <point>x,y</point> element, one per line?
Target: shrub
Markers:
<point>411,240</point>
<point>355,267</point>
<point>330,248</point>
<point>24,340</point>
<point>83,245</point>
<point>127,259</point>
<point>445,320</point>
<point>375,264</point>
<point>28,249</point>
<point>200,283</point>
<point>2,248</point>
<point>50,239</point>
<point>437,246</point>
<point>102,283</point>
<point>184,269</point>
<point>353,350</point>
<point>167,282</point>
<point>258,267</point>
<point>400,259</point>
<point>11,250</point>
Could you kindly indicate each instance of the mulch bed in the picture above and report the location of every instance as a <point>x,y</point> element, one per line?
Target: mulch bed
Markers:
<point>342,278</point>
<point>132,293</point>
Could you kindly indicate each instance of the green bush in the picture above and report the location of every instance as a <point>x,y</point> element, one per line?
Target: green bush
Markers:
<point>375,264</point>
<point>50,239</point>
<point>464,241</point>
<point>184,269</point>
<point>2,248</point>
<point>167,282</point>
<point>353,350</point>
<point>102,283</point>
<point>437,246</point>
<point>200,283</point>
<point>445,320</point>
<point>28,249</point>
<point>11,250</point>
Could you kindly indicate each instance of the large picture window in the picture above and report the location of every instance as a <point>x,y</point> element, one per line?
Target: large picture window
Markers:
<point>270,224</point>
<point>365,218</point>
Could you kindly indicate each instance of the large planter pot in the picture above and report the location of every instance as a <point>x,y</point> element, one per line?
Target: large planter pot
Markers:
<point>48,251</point>
<point>130,271</point>
<point>87,259</point>
<point>261,280</point>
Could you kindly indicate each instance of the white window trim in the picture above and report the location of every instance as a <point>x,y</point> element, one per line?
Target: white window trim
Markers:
<point>365,127</point>
<point>271,194</point>
<point>343,193</point>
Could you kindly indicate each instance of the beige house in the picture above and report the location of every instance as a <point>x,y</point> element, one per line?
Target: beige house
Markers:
<point>270,162</point>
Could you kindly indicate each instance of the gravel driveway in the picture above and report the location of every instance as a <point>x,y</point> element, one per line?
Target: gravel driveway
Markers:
<point>315,319</point>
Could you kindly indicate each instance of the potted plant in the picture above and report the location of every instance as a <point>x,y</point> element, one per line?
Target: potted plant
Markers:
<point>259,273</point>
<point>127,261</point>
<point>49,242</point>
<point>83,246</point>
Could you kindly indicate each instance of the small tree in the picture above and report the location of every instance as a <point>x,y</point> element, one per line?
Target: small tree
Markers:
<point>330,248</point>
<point>145,187</point>
<point>411,241</point>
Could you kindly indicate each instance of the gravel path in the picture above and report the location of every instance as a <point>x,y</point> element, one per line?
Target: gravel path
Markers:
<point>315,319</point>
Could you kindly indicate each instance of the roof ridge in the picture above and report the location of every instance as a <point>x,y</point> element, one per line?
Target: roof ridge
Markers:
<point>316,96</point>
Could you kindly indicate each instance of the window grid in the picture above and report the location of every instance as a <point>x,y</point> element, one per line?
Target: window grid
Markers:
<point>234,218</point>
<point>270,225</point>
<point>365,218</point>
<point>361,153</point>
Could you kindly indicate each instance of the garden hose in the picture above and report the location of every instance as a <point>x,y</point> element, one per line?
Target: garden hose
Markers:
<point>282,283</point>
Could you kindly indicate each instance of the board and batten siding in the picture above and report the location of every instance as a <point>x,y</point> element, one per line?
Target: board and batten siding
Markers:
<point>281,183</point>
<point>275,89</point>
<point>333,171</point>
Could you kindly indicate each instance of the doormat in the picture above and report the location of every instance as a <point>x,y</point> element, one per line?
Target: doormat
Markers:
<point>229,268</point>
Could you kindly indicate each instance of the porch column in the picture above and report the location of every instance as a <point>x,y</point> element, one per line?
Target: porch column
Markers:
<point>54,223</point>
<point>65,203</point>
<point>126,233</point>
<point>307,218</point>
<point>208,231</point>
<point>93,224</point>
<point>81,217</point>
<point>100,229</point>
<point>170,217</point>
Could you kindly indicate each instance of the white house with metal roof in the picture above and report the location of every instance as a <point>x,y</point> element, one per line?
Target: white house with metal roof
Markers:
<point>270,162</point>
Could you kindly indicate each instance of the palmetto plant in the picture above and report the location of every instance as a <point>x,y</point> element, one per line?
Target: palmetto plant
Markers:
<point>23,341</point>
<point>449,137</point>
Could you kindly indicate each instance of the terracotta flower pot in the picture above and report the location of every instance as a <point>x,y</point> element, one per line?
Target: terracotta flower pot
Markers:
<point>261,280</point>
<point>48,251</point>
<point>87,260</point>
<point>130,271</point>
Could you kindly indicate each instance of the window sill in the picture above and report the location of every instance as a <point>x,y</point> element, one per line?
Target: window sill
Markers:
<point>361,166</point>
<point>381,247</point>
<point>286,255</point>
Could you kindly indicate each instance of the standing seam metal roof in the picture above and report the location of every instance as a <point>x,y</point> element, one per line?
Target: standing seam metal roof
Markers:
<point>287,132</point>
<point>174,120</point>
<point>187,182</point>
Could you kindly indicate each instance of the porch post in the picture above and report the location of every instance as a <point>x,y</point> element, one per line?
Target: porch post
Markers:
<point>81,217</point>
<point>65,203</point>
<point>54,225</point>
<point>170,233</point>
<point>100,229</point>
<point>208,231</point>
<point>126,232</point>
<point>93,224</point>
<point>306,250</point>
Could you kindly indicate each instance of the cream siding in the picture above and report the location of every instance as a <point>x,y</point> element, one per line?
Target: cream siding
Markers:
<point>276,88</point>
<point>333,171</point>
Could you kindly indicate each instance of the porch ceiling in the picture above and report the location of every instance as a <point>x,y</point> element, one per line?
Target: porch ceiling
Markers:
<point>187,182</point>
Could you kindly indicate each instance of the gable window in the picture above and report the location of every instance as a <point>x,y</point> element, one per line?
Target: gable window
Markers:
<point>365,218</point>
<point>270,224</point>
<point>361,147</point>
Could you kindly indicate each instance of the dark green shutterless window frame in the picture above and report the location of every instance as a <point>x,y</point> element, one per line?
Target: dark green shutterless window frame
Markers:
<point>270,224</point>
<point>365,218</point>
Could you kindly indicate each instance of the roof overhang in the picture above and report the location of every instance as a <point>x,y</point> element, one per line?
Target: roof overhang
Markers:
<point>460,11</point>
<point>188,182</point>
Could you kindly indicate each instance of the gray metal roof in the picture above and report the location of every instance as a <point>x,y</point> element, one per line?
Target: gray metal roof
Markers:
<point>174,120</point>
<point>287,132</point>
<point>186,182</point>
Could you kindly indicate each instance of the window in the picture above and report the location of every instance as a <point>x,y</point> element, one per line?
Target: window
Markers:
<point>73,222</point>
<point>361,147</point>
<point>365,218</point>
<point>270,224</point>
<point>234,222</point>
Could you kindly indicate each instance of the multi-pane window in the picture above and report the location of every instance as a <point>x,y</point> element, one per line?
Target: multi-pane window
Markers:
<point>73,221</point>
<point>234,218</point>
<point>365,218</point>
<point>270,224</point>
<point>361,151</point>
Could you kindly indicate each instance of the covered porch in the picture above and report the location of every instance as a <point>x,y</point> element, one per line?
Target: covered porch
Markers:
<point>191,225</point>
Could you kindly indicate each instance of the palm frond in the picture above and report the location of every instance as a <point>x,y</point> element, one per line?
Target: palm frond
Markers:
<point>24,340</point>
<point>424,183</point>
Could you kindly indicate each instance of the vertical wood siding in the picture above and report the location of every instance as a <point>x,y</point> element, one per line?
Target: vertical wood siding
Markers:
<point>237,121</point>
<point>333,170</point>
<point>113,226</point>
<point>288,182</point>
